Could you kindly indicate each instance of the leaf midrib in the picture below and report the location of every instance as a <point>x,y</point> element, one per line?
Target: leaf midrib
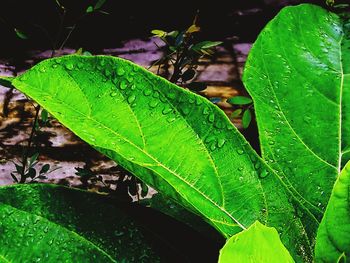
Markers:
<point>340,154</point>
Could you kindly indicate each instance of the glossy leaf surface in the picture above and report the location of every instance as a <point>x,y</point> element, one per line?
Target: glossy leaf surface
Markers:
<point>50,223</point>
<point>172,139</point>
<point>298,74</point>
<point>257,244</point>
<point>333,240</point>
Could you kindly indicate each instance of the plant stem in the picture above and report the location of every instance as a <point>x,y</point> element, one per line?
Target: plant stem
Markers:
<point>27,149</point>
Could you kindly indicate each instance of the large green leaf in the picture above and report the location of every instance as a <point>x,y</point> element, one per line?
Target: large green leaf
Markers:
<point>257,244</point>
<point>176,141</point>
<point>55,224</point>
<point>298,73</point>
<point>333,235</point>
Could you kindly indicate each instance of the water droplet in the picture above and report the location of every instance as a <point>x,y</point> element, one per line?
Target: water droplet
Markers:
<point>240,151</point>
<point>271,142</point>
<point>206,111</point>
<point>257,165</point>
<point>210,139</point>
<point>120,71</point>
<point>263,174</point>
<point>221,142</point>
<point>118,233</point>
<point>171,119</point>
<point>171,95</point>
<point>186,110</point>
<point>113,94</point>
<point>167,110</point>
<point>153,103</point>
<point>213,146</point>
<point>211,117</point>
<point>69,66</point>
<point>147,92</point>
<point>54,66</point>
<point>131,98</point>
<point>240,168</point>
<point>199,101</point>
<point>123,85</point>
<point>42,69</point>
<point>156,94</point>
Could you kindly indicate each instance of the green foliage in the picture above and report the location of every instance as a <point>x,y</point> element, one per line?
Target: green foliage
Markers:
<point>55,224</point>
<point>333,240</point>
<point>185,147</point>
<point>243,247</point>
<point>182,51</point>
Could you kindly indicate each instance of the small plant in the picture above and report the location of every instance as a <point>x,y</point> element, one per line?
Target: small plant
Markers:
<point>289,205</point>
<point>25,167</point>
<point>183,51</point>
<point>244,107</point>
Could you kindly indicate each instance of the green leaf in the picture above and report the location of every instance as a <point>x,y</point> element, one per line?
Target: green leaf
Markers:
<point>31,173</point>
<point>6,81</point>
<point>333,240</point>
<point>19,168</point>
<point>257,244</point>
<point>45,168</point>
<point>159,33</point>
<point>239,100</point>
<point>206,45</point>
<point>44,115</point>
<point>99,4</point>
<point>196,86</point>
<point>56,224</point>
<point>113,104</point>
<point>90,9</point>
<point>32,159</point>
<point>236,113</point>
<point>246,118</point>
<point>298,74</point>
<point>189,74</point>
<point>20,34</point>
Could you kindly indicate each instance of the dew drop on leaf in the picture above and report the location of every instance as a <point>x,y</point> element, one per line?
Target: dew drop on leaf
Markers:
<point>123,85</point>
<point>240,151</point>
<point>69,66</point>
<point>263,174</point>
<point>153,103</point>
<point>221,142</point>
<point>131,98</point>
<point>211,117</point>
<point>147,92</point>
<point>120,71</point>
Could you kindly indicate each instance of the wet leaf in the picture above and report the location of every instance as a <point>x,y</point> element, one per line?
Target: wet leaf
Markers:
<point>298,75</point>
<point>257,244</point>
<point>333,243</point>
<point>113,107</point>
<point>239,100</point>
<point>57,224</point>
